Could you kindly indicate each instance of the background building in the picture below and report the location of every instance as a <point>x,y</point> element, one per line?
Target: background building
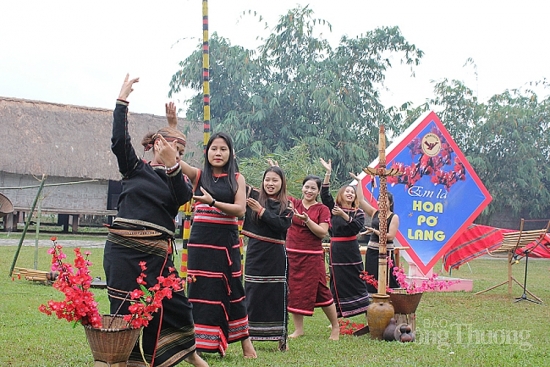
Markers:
<point>71,147</point>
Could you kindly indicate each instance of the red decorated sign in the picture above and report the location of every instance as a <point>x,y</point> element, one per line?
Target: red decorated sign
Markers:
<point>437,196</point>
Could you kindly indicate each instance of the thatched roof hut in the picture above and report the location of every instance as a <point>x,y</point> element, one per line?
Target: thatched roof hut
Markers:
<point>61,140</point>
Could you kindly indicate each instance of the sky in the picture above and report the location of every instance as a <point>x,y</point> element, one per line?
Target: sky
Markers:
<point>78,52</point>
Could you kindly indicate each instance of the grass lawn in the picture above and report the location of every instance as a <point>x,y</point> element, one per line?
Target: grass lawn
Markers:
<point>453,329</point>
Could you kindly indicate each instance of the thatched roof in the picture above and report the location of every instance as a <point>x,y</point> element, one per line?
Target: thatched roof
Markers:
<point>73,141</point>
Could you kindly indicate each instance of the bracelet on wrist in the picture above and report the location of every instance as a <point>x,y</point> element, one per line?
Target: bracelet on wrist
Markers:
<point>328,174</point>
<point>213,202</point>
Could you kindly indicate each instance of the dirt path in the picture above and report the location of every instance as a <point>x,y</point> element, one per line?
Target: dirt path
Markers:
<point>100,242</point>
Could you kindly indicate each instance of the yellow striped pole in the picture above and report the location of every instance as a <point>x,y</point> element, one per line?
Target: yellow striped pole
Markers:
<point>187,208</point>
<point>205,73</point>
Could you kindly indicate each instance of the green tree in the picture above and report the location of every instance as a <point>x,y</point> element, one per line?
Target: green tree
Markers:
<point>296,86</point>
<point>460,110</point>
<point>507,141</point>
<point>511,150</point>
<point>296,164</point>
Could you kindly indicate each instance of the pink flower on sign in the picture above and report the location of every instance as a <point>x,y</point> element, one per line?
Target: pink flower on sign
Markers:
<point>427,285</point>
<point>438,194</point>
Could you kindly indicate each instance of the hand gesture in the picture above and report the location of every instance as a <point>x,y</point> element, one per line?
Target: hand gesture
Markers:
<point>167,151</point>
<point>362,233</point>
<point>254,205</point>
<point>327,165</point>
<point>303,216</point>
<point>368,230</point>
<point>338,211</point>
<point>354,176</point>
<point>127,87</point>
<point>171,115</point>
<point>206,198</point>
<point>272,163</point>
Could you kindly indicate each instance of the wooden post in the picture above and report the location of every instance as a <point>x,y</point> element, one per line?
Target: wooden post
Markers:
<point>27,224</point>
<point>9,223</point>
<point>510,277</point>
<point>383,215</point>
<point>75,218</point>
<point>37,231</point>
<point>382,173</point>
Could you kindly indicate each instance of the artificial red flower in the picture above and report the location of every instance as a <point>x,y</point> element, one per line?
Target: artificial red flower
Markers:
<point>147,301</point>
<point>427,285</point>
<point>79,305</point>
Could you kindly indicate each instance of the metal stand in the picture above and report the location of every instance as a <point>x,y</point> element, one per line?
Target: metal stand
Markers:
<point>525,291</point>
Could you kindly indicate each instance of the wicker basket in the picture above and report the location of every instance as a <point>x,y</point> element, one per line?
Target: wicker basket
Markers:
<point>404,302</point>
<point>114,342</point>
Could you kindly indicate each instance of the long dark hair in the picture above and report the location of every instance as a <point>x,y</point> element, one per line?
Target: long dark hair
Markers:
<point>281,195</point>
<point>229,167</point>
<point>317,180</point>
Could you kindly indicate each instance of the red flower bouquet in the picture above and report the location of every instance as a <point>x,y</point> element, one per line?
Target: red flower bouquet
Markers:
<point>147,301</point>
<point>79,305</point>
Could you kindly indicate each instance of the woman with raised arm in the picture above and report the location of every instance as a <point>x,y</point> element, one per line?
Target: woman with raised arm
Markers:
<point>214,258</point>
<point>268,217</point>
<point>371,258</point>
<point>307,280</point>
<point>346,264</point>
<point>143,231</point>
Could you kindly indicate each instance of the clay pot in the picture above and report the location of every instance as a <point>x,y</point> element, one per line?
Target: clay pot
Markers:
<point>406,338</point>
<point>403,333</point>
<point>379,314</point>
<point>390,330</point>
<point>404,328</point>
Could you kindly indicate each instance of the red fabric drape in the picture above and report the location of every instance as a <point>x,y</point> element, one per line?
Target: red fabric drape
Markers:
<point>477,239</point>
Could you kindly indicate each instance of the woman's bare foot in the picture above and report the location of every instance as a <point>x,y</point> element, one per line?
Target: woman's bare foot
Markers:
<point>283,345</point>
<point>335,333</point>
<point>296,334</point>
<point>196,360</point>
<point>248,349</point>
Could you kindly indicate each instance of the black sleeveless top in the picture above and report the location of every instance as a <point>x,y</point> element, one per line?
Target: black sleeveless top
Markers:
<point>376,225</point>
<point>220,189</point>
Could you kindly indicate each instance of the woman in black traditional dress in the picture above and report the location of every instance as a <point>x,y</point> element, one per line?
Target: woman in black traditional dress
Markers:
<point>371,258</point>
<point>143,230</point>
<point>217,292</point>
<point>346,264</point>
<point>268,217</point>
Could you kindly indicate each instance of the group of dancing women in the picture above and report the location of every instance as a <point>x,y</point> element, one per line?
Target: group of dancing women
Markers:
<point>285,268</point>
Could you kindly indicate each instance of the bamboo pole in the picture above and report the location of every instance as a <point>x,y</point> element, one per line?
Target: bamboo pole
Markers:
<point>205,74</point>
<point>187,208</point>
<point>27,224</point>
